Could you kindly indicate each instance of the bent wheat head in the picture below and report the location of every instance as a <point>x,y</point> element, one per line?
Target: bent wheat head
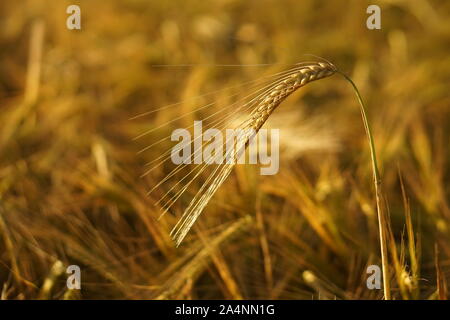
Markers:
<point>267,103</point>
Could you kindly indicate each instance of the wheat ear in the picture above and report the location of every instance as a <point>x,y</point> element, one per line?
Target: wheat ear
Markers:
<point>268,102</point>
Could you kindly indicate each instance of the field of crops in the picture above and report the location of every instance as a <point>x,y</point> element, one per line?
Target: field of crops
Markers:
<point>74,186</point>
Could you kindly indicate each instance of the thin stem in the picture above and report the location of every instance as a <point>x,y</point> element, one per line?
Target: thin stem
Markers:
<point>382,226</point>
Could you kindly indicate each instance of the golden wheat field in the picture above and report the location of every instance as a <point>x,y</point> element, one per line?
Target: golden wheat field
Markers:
<point>86,113</point>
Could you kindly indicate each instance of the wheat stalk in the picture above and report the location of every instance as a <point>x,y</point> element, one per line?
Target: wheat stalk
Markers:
<point>383,226</point>
<point>264,103</point>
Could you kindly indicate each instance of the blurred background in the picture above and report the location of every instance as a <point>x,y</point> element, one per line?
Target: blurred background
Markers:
<point>70,185</point>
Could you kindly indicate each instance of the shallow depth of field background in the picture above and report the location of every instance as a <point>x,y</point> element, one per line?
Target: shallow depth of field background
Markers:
<point>70,186</point>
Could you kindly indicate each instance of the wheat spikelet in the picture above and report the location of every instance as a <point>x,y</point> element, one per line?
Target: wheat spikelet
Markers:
<point>267,103</point>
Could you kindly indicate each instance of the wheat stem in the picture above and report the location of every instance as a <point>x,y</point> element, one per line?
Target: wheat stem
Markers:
<point>382,224</point>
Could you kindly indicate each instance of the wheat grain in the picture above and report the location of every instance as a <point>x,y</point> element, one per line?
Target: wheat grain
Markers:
<point>267,103</point>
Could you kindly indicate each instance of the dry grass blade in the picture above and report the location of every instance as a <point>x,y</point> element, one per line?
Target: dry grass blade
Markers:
<point>195,261</point>
<point>440,278</point>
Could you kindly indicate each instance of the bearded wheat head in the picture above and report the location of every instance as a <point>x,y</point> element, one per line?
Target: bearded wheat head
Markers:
<point>267,103</point>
